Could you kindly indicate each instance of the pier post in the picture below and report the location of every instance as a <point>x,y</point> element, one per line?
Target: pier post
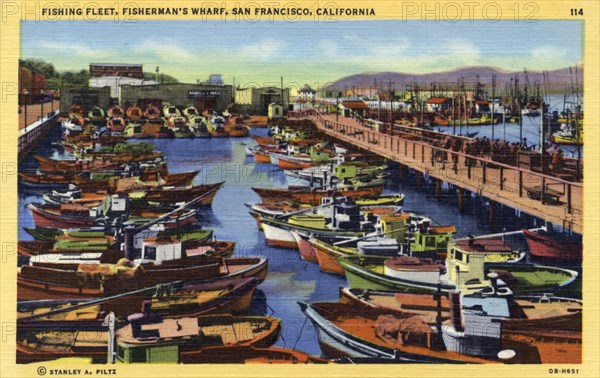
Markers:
<point>461,199</point>
<point>403,171</point>
<point>492,212</point>
<point>438,188</point>
<point>418,179</point>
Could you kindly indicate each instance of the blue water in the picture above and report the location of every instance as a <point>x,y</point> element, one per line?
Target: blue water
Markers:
<point>290,279</point>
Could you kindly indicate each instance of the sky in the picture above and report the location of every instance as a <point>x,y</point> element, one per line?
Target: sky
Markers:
<point>304,52</point>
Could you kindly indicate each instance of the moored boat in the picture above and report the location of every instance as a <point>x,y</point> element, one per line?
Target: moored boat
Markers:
<point>555,246</point>
<point>312,197</point>
<point>151,339</point>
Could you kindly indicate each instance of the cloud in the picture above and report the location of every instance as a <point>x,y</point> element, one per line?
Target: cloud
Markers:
<point>547,53</point>
<point>462,50</point>
<point>73,48</point>
<point>265,49</point>
<point>163,47</point>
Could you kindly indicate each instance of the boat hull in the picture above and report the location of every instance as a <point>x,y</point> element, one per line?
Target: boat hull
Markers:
<point>278,237</point>
<point>546,247</point>
<point>307,251</point>
<point>328,260</point>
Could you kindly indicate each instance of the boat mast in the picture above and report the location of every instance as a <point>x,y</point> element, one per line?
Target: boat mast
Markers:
<point>493,119</point>
<point>110,322</point>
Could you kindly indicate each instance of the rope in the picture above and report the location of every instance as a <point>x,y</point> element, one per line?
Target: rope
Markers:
<point>300,334</point>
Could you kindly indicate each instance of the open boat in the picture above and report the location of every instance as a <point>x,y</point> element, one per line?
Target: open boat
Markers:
<point>453,332</point>
<point>151,339</point>
<point>134,113</point>
<point>151,112</point>
<point>228,296</point>
<point>66,278</point>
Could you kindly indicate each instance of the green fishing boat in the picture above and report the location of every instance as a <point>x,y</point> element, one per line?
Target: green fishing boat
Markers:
<point>466,268</point>
<point>51,234</point>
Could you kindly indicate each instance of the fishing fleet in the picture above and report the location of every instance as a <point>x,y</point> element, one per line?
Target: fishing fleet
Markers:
<point>118,269</point>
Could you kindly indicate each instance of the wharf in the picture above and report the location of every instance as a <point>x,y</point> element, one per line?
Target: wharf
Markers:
<point>547,197</point>
<point>30,135</point>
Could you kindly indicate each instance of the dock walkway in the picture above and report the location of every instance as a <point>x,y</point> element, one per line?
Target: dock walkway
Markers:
<point>541,195</point>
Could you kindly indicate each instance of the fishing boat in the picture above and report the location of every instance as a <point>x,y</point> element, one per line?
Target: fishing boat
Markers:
<point>190,111</point>
<point>360,331</point>
<point>253,355</point>
<point>237,128</point>
<point>77,216</point>
<point>115,111</point>
<point>346,218</point>
<point>148,339</point>
<point>74,125</point>
<point>313,196</point>
<point>261,156</point>
<point>465,268</point>
<point>455,327</point>
<point>284,208</point>
<point>165,133</point>
<point>399,232</point>
<point>44,180</point>
<point>134,113</point>
<point>197,125</point>
<point>554,246</point>
<point>547,310</point>
<point>216,125</point>
<point>96,115</point>
<point>170,110</point>
<point>136,130</point>
<point>51,165</point>
<point>335,173</point>
<point>83,276</point>
<point>175,121</point>
<point>177,195</point>
<point>290,162</point>
<point>184,132</point>
<point>151,112</point>
<point>569,134</point>
<point>230,296</point>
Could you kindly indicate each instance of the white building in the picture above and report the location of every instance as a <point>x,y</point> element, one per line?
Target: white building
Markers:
<point>115,82</point>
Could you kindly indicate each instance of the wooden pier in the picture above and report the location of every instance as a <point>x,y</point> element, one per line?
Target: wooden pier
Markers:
<point>542,195</point>
<point>33,133</point>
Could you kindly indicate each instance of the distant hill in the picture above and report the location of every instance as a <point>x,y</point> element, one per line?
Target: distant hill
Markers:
<point>560,80</point>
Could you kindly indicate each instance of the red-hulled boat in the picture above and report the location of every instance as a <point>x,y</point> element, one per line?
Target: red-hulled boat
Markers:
<point>542,244</point>
<point>311,197</point>
<point>289,162</point>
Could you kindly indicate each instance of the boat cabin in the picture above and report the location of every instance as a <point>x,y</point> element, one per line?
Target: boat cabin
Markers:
<point>345,171</point>
<point>465,263</point>
<point>150,340</point>
<point>319,155</point>
<point>159,249</point>
<point>393,226</point>
<point>435,238</point>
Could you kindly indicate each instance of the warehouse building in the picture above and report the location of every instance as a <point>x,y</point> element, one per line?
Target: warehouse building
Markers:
<point>203,96</point>
<point>85,97</point>
<point>257,100</point>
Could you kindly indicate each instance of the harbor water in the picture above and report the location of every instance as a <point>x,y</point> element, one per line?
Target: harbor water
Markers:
<point>290,279</point>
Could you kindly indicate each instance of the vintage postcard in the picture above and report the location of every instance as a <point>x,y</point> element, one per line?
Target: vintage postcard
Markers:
<point>300,188</point>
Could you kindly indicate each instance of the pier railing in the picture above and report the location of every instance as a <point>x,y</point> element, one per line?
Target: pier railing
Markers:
<point>542,195</point>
